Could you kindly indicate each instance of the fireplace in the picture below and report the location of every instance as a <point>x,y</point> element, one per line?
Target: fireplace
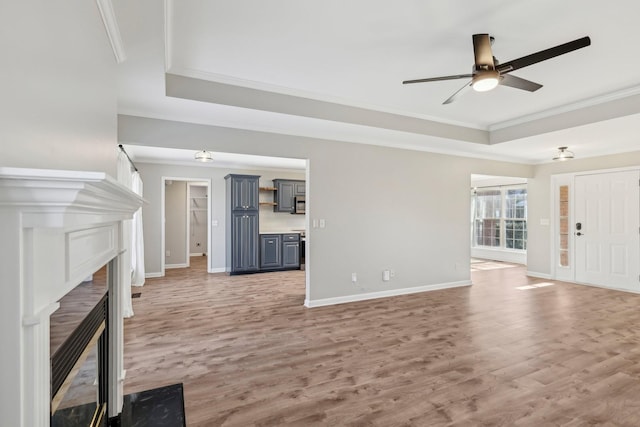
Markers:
<point>79,355</point>
<point>58,228</point>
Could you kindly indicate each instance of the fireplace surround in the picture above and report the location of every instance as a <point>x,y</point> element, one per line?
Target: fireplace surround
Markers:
<point>57,228</point>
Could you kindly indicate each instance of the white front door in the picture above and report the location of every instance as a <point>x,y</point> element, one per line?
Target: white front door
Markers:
<point>607,230</point>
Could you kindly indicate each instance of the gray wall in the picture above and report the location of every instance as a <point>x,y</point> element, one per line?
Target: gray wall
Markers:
<point>175,238</point>
<point>152,177</point>
<point>384,208</point>
<point>539,202</point>
<point>58,104</point>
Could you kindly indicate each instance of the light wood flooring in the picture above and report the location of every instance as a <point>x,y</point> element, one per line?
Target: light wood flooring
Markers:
<point>250,354</point>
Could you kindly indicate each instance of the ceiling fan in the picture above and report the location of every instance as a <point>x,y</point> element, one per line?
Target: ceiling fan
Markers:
<point>487,72</point>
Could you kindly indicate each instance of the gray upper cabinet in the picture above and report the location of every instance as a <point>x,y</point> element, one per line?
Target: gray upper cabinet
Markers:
<point>242,224</point>
<point>244,191</point>
<point>300,188</point>
<point>286,191</point>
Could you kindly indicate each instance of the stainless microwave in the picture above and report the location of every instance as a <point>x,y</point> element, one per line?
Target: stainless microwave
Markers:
<point>298,205</point>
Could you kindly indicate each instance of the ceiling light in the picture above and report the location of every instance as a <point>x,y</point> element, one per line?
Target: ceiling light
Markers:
<point>204,156</point>
<point>485,80</point>
<point>563,154</point>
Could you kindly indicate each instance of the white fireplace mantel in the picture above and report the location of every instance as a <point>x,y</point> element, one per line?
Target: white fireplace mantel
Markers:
<point>56,228</point>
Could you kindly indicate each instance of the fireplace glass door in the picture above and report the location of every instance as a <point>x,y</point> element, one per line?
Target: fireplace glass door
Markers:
<point>79,341</point>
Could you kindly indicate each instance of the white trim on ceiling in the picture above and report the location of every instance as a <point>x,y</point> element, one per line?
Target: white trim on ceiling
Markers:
<point>168,48</point>
<point>223,166</point>
<point>113,31</point>
<point>585,103</point>
<point>285,90</point>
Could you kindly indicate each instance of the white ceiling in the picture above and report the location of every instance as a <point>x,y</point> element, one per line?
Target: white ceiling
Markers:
<point>357,53</point>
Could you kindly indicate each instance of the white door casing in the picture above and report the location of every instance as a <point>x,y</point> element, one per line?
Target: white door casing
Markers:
<point>607,247</point>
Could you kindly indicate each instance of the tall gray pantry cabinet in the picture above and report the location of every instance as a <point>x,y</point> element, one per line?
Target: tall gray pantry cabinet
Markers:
<point>242,227</point>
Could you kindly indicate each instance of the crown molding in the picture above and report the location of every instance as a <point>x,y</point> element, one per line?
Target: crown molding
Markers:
<point>111,26</point>
<point>285,90</point>
<point>168,47</point>
<point>585,103</point>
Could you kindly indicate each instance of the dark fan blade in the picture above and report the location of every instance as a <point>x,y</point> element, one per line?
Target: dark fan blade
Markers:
<point>482,50</point>
<point>457,94</point>
<point>437,79</point>
<point>543,55</point>
<point>513,81</point>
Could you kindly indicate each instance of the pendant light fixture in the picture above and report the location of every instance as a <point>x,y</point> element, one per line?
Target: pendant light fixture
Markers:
<point>563,154</point>
<point>204,156</point>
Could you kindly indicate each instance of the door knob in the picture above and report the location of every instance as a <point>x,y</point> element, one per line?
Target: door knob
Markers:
<point>579,234</point>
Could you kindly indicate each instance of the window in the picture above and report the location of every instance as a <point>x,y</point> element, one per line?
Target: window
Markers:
<point>487,221</point>
<point>500,217</point>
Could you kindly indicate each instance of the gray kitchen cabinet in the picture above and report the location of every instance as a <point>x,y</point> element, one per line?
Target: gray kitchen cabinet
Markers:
<point>245,249</point>
<point>244,192</point>
<point>279,251</point>
<point>242,224</point>
<point>286,191</point>
<point>290,251</point>
<point>270,251</point>
<point>299,188</point>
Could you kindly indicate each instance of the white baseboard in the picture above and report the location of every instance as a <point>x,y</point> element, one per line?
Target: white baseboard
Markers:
<point>217,270</point>
<point>196,254</point>
<point>538,275</point>
<point>383,294</point>
<point>169,266</point>
<point>152,275</point>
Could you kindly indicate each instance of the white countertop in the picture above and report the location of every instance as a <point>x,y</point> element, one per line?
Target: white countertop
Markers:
<point>279,232</point>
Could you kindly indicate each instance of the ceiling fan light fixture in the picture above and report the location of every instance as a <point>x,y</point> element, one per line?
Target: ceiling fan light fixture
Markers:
<point>204,156</point>
<point>563,154</point>
<point>484,81</point>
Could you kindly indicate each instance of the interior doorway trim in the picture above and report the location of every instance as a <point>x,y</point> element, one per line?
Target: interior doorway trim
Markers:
<point>186,206</point>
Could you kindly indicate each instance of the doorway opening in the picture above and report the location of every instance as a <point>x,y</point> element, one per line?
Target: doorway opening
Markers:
<point>186,220</point>
<point>498,221</point>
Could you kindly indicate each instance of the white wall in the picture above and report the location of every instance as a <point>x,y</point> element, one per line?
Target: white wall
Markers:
<point>539,202</point>
<point>152,177</point>
<point>58,103</point>
<point>175,197</point>
<point>57,111</point>
<point>384,208</point>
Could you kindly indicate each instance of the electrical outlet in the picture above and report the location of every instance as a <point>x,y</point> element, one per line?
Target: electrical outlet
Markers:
<point>354,277</point>
<point>386,275</point>
<point>168,253</point>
